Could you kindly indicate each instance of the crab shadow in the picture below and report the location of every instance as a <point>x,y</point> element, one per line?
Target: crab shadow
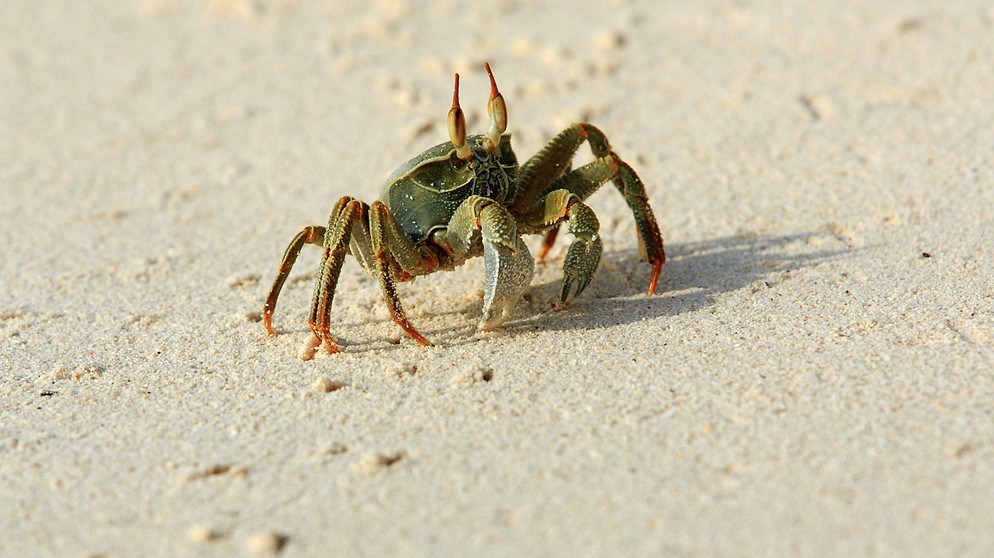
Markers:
<point>696,274</point>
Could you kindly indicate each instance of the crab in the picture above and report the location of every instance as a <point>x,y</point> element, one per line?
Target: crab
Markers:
<point>469,197</point>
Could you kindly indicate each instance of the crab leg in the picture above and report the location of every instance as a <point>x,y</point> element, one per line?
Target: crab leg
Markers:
<point>650,239</point>
<point>376,240</point>
<point>346,214</point>
<point>547,171</point>
<point>383,229</point>
<point>547,242</point>
<point>312,234</point>
<point>584,254</point>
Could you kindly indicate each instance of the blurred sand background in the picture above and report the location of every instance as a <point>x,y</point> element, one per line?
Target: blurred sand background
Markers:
<point>814,377</point>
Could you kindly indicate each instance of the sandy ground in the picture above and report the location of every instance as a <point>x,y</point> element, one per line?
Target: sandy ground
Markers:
<point>814,377</point>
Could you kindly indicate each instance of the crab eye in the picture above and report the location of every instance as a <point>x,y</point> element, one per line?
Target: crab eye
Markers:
<point>497,110</point>
<point>457,125</point>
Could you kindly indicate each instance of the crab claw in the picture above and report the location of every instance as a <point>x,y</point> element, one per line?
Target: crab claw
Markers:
<point>584,254</point>
<point>509,265</point>
<point>508,272</point>
<point>457,126</point>
<point>582,259</point>
<point>497,109</point>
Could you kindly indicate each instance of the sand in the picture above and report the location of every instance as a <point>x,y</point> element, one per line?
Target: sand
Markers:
<point>813,378</point>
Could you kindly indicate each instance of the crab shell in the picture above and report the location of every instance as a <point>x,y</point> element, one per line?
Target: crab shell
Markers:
<point>425,192</point>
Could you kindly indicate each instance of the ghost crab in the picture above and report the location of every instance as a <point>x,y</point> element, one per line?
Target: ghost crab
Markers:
<point>468,197</point>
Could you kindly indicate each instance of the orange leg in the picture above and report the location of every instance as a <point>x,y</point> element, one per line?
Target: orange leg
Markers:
<point>336,247</point>
<point>547,242</point>
<point>379,221</point>
<point>312,234</point>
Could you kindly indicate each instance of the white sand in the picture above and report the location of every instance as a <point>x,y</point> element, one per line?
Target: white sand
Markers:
<point>807,382</point>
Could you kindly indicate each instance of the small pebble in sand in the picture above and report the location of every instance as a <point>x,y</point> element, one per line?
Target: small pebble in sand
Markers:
<point>373,462</point>
<point>402,368</point>
<point>327,385</point>
<point>202,534</point>
<point>265,543</point>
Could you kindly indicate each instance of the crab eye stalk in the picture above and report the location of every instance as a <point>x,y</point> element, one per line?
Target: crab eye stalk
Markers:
<point>497,110</point>
<point>457,126</point>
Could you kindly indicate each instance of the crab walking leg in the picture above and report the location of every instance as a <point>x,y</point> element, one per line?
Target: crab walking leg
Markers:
<point>381,224</point>
<point>584,254</point>
<point>548,171</point>
<point>547,242</point>
<point>312,234</point>
<point>550,163</point>
<point>336,248</point>
<point>650,239</point>
<point>413,260</point>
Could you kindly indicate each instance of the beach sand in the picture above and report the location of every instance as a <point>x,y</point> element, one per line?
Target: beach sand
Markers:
<point>814,376</point>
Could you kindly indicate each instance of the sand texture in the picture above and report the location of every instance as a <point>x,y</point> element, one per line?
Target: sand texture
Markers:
<point>813,378</point>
